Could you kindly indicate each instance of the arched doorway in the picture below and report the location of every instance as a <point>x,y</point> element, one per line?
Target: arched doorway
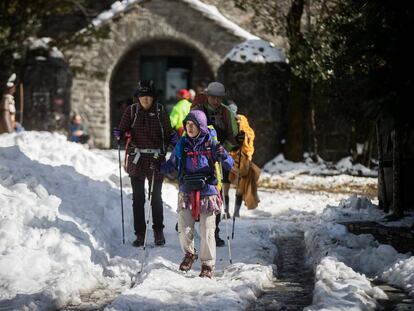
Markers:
<point>171,64</point>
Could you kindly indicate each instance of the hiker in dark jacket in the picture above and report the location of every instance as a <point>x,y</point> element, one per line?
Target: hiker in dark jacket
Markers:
<point>194,158</point>
<point>149,133</point>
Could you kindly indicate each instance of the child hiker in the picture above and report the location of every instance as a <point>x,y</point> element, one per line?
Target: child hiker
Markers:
<point>194,158</point>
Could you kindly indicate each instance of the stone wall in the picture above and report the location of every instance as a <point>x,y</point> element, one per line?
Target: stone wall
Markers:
<point>260,91</point>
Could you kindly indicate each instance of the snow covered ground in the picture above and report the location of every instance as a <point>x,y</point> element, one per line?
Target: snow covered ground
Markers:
<point>61,239</point>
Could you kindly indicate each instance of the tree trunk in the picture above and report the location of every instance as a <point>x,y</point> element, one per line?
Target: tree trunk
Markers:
<point>312,124</point>
<point>369,145</point>
<point>295,136</point>
<point>396,160</point>
<point>299,87</point>
<point>354,151</point>
<point>382,190</point>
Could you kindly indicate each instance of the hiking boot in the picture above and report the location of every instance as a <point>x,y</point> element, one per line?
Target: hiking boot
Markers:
<point>206,271</point>
<point>188,261</point>
<point>139,240</point>
<point>159,238</point>
<point>219,242</point>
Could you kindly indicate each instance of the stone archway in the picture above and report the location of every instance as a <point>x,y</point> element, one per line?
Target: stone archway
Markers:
<point>158,60</point>
<point>91,85</point>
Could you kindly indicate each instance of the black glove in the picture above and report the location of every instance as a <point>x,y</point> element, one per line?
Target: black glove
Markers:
<point>221,153</point>
<point>155,164</point>
<point>240,137</point>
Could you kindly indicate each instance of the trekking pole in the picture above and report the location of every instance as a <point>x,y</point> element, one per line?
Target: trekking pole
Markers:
<point>237,188</point>
<point>120,183</point>
<point>225,215</point>
<point>148,217</point>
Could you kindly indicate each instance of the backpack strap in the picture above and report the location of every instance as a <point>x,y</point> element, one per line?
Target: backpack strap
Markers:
<point>160,110</point>
<point>209,145</point>
<point>134,115</point>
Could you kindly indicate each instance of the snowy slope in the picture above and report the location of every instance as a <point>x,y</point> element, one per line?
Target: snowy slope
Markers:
<point>61,236</point>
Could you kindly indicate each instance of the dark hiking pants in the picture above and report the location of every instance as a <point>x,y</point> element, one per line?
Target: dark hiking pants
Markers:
<point>138,204</point>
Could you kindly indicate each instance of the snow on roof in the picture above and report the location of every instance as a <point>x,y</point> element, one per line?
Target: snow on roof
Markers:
<point>56,53</point>
<point>39,43</point>
<point>207,10</point>
<point>116,8</point>
<point>213,13</point>
<point>44,43</point>
<point>256,51</point>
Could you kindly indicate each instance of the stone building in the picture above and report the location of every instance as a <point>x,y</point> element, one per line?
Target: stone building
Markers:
<point>176,43</point>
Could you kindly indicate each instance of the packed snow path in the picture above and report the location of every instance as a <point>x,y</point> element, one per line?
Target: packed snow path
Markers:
<point>293,287</point>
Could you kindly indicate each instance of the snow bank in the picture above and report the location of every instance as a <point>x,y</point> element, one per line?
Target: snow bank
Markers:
<point>279,165</point>
<point>34,247</point>
<point>61,237</point>
<point>401,273</point>
<point>338,287</point>
<point>57,228</point>
<point>324,176</point>
<point>340,259</point>
<point>53,149</point>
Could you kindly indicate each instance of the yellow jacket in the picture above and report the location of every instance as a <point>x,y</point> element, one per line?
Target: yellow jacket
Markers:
<point>248,144</point>
<point>249,172</point>
<point>247,183</point>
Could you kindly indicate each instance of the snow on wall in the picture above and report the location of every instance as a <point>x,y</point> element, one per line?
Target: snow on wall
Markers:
<point>256,51</point>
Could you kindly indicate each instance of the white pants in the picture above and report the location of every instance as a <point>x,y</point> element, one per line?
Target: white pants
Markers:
<point>208,242</point>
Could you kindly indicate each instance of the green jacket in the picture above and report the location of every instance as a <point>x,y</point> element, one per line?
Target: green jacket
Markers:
<point>179,112</point>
